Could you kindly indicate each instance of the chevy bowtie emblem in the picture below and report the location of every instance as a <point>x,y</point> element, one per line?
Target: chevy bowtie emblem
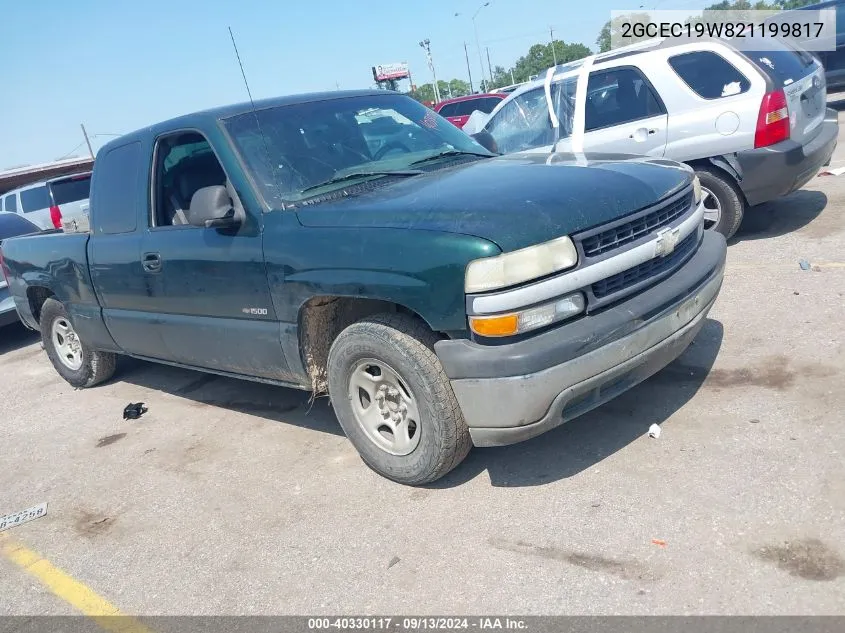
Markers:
<point>667,240</point>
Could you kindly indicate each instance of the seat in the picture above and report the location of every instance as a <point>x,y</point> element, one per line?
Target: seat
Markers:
<point>199,172</point>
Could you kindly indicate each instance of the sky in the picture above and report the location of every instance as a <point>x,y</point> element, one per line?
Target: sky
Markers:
<point>117,65</point>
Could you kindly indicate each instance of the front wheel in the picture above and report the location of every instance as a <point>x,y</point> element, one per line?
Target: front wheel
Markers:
<point>724,205</point>
<point>75,361</point>
<point>394,401</point>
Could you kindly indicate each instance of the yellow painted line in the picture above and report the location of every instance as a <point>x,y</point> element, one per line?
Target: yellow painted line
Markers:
<point>72,591</point>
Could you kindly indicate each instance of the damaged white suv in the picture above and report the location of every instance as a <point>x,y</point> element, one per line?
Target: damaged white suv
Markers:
<point>754,126</point>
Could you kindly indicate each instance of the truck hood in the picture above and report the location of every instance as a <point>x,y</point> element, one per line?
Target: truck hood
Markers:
<point>514,201</point>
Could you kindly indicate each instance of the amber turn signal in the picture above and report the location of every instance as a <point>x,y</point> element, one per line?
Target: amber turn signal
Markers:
<point>500,325</point>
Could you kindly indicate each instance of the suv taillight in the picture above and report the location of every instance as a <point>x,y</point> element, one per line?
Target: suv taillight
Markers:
<point>56,216</point>
<point>773,120</point>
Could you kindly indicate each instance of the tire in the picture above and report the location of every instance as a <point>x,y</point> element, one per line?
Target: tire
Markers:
<point>385,348</point>
<point>725,192</point>
<point>93,366</point>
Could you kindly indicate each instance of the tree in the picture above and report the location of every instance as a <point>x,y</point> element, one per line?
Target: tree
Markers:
<point>458,88</point>
<point>539,58</point>
<point>612,29</point>
<point>423,93</point>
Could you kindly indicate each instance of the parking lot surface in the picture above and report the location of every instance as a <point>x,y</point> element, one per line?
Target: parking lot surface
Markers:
<point>230,497</point>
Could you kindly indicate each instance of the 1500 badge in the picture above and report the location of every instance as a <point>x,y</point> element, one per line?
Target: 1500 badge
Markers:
<point>255,311</point>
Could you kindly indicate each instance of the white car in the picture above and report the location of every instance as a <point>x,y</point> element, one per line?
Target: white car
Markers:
<point>753,126</point>
<point>51,204</point>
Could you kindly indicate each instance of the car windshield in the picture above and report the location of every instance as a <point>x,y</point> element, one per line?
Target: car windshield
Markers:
<point>310,149</point>
<point>523,121</point>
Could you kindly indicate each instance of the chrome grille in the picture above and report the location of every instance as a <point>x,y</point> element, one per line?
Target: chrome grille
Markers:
<point>639,226</point>
<point>647,270</point>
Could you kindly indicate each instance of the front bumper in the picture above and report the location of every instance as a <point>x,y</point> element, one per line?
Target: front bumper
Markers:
<point>771,172</point>
<point>510,393</point>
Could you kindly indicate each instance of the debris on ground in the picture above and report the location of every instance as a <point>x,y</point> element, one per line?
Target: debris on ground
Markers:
<point>832,172</point>
<point>134,410</point>
<point>805,265</point>
<point>393,561</point>
<point>659,542</point>
<point>754,421</point>
<point>23,516</point>
<point>654,431</point>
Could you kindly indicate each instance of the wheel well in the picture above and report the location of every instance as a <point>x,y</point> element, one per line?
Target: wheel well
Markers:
<point>37,295</point>
<point>720,165</point>
<point>322,318</point>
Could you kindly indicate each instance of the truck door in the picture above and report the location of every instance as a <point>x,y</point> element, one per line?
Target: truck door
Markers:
<point>623,114</point>
<point>209,288</point>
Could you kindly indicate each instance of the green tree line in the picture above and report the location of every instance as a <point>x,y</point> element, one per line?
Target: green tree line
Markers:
<point>537,60</point>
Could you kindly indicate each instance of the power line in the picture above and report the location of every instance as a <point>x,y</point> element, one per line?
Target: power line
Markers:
<point>71,151</point>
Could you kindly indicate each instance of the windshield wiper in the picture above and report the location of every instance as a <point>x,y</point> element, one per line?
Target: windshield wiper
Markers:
<point>449,152</point>
<point>361,174</point>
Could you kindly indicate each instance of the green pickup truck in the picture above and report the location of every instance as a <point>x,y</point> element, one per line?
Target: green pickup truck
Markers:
<point>356,243</point>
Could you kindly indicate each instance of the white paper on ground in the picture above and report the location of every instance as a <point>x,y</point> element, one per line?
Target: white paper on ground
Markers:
<point>832,172</point>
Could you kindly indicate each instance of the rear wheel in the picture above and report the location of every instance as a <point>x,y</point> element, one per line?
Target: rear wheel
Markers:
<point>724,205</point>
<point>75,361</point>
<point>394,401</point>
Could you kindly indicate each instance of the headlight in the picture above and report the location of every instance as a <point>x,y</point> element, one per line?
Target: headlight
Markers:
<point>696,189</point>
<point>530,319</point>
<point>509,269</point>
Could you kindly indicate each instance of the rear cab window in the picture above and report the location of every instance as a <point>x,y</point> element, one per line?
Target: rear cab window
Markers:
<point>114,206</point>
<point>70,189</point>
<point>709,75</point>
<point>35,199</point>
<point>449,109</point>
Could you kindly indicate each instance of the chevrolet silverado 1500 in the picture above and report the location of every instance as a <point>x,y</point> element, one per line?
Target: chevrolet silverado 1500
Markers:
<point>358,244</point>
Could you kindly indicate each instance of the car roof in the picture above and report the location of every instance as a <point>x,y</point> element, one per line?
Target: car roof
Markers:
<point>41,183</point>
<point>482,95</point>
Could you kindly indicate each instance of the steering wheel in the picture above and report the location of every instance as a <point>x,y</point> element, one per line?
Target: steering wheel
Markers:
<point>391,146</point>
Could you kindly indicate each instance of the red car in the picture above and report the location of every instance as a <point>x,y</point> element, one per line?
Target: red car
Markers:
<point>457,110</point>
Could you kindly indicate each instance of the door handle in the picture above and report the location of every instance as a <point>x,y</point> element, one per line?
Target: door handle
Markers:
<point>151,262</point>
<point>641,133</point>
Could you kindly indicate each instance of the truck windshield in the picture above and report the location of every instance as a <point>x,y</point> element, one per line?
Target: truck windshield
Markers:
<point>303,150</point>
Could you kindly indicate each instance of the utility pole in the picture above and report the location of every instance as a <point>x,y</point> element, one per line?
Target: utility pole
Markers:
<point>426,46</point>
<point>85,134</point>
<point>513,81</point>
<point>477,43</point>
<point>552,39</point>
<point>489,67</point>
<point>469,72</point>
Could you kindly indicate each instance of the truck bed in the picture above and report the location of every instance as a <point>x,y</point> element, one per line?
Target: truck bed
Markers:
<point>56,263</point>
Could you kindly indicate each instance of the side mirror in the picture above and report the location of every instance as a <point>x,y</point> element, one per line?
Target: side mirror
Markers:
<point>486,140</point>
<point>211,207</point>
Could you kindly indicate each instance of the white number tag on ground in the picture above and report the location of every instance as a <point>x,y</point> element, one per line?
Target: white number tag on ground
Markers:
<point>17,518</point>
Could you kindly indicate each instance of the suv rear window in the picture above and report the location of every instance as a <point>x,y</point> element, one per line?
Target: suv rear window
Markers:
<point>35,199</point>
<point>709,75</point>
<point>783,65</point>
<point>13,225</point>
<point>71,190</point>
